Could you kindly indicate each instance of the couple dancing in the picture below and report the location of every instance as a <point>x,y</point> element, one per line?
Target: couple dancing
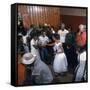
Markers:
<point>60,60</point>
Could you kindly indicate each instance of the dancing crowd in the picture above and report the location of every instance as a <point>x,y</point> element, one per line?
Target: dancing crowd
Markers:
<point>42,46</point>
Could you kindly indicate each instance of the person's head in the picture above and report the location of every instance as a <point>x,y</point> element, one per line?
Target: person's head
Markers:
<point>62,26</point>
<point>45,24</point>
<point>69,29</point>
<point>20,39</point>
<point>35,37</point>
<point>82,28</point>
<point>56,37</point>
<point>44,33</point>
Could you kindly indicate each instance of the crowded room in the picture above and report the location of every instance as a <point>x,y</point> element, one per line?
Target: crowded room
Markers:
<point>51,44</point>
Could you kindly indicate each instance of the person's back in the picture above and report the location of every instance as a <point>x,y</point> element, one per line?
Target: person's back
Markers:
<point>70,38</point>
<point>42,71</point>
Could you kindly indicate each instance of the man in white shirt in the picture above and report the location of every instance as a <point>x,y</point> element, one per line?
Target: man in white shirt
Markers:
<point>43,40</point>
<point>62,32</point>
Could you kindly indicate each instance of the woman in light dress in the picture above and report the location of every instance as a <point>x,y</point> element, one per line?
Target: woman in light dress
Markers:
<point>60,60</point>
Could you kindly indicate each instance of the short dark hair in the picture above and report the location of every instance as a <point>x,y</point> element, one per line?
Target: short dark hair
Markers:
<point>56,36</point>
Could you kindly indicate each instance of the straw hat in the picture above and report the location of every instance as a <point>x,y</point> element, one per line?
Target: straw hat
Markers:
<point>28,58</point>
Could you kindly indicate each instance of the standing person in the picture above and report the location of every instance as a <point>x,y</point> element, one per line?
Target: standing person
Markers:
<point>70,50</point>
<point>39,71</point>
<point>81,36</point>
<point>26,47</point>
<point>81,67</point>
<point>70,37</point>
<point>22,43</point>
<point>34,46</point>
<point>81,50</point>
<point>52,30</point>
<point>20,27</point>
<point>63,32</point>
<point>60,61</point>
<point>43,40</point>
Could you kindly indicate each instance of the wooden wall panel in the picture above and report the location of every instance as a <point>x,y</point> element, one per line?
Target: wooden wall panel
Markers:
<point>39,15</point>
<point>73,21</point>
<point>21,74</point>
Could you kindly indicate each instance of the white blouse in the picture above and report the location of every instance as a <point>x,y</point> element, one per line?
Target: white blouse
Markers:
<point>58,47</point>
<point>63,35</point>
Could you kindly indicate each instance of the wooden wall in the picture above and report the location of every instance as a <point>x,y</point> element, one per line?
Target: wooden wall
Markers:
<point>50,15</point>
<point>39,15</point>
<point>73,21</point>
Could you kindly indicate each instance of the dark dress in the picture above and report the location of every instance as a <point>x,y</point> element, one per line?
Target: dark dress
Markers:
<point>70,51</point>
<point>71,58</point>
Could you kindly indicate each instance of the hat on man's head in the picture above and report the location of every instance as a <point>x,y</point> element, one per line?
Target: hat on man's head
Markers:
<point>28,58</point>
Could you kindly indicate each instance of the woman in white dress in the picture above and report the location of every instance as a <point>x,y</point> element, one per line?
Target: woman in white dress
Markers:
<point>80,69</point>
<point>60,60</point>
<point>34,47</point>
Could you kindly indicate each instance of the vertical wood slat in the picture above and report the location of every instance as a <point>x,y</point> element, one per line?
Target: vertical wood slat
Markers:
<point>37,15</point>
<point>40,15</point>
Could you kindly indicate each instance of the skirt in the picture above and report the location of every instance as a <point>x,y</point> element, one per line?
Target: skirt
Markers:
<point>80,71</point>
<point>60,63</point>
